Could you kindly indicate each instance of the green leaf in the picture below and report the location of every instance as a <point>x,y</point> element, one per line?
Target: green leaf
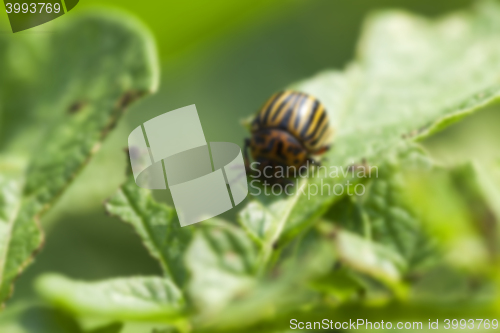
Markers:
<point>342,283</point>
<point>398,89</point>
<point>221,260</point>
<point>445,286</point>
<point>99,64</point>
<point>10,200</point>
<point>213,261</point>
<point>487,178</point>
<point>264,222</point>
<point>22,60</point>
<point>406,212</point>
<point>261,220</point>
<point>384,214</point>
<point>242,300</point>
<point>466,196</point>
<point>157,225</point>
<point>368,257</point>
<point>480,186</point>
<point>138,298</point>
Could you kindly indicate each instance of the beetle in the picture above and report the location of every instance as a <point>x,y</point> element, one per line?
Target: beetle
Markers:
<point>288,130</point>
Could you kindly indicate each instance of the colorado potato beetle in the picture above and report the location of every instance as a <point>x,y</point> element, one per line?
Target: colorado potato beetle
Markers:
<point>288,130</point>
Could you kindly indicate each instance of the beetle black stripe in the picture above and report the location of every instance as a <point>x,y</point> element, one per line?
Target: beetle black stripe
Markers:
<point>286,109</point>
<point>318,125</point>
<point>271,107</point>
<point>283,107</point>
<point>320,136</point>
<point>284,123</point>
<point>256,122</point>
<point>279,109</point>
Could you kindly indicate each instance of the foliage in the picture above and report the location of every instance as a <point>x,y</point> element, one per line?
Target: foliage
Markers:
<point>307,256</point>
<point>81,106</point>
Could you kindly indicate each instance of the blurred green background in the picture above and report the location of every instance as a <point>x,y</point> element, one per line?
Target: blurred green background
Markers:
<point>227,57</point>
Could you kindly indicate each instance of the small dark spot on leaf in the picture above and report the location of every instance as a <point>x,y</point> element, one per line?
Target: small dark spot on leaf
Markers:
<point>241,295</point>
<point>362,293</point>
<point>474,283</point>
<point>127,98</point>
<point>331,235</point>
<point>77,106</point>
<point>275,273</point>
<point>413,277</point>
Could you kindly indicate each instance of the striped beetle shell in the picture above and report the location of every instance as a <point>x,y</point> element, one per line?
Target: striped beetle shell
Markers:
<point>288,129</point>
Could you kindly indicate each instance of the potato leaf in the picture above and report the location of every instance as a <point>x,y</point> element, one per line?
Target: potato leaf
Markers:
<point>221,260</point>
<point>99,65</point>
<point>21,58</point>
<point>384,214</point>
<point>467,196</point>
<point>283,291</point>
<point>157,225</point>
<point>213,262</point>
<point>138,298</point>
